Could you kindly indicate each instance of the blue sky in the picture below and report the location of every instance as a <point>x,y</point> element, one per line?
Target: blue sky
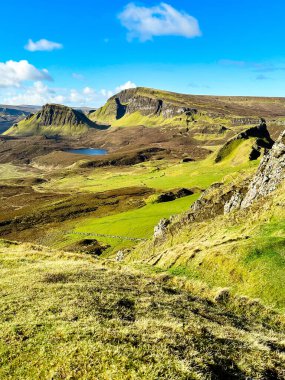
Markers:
<point>81,52</point>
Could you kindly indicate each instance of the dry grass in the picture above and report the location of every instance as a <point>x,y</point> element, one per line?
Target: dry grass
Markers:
<point>68,316</point>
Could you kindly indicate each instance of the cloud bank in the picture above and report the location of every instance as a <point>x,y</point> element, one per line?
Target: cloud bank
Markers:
<point>162,20</point>
<point>39,94</point>
<point>13,73</point>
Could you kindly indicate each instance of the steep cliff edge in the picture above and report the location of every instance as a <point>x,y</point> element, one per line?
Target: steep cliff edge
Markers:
<point>52,119</point>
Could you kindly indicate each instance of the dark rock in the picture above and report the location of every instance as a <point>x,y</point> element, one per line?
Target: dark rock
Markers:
<point>188,159</point>
<point>166,197</point>
<point>89,246</point>
<point>175,194</point>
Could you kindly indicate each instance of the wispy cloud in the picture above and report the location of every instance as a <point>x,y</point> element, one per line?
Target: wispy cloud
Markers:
<point>268,68</point>
<point>42,45</point>
<point>263,67</point>
<point>145,23</point>
<point>13,73</point>
<point>262,77</point>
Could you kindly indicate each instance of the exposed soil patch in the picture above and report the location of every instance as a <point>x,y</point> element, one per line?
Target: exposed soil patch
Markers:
<point>22,208</point>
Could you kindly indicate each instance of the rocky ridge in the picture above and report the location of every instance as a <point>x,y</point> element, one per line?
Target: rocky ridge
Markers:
<point>219,199</point>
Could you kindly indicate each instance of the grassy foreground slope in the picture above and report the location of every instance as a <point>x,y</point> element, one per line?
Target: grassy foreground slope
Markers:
<point>69,316</point>
<point>243,250</point>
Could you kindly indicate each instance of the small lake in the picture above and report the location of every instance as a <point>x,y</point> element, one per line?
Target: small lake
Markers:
<point>88,151</point>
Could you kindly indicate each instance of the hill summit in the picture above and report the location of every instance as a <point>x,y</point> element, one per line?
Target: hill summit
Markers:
<point>53,119</point>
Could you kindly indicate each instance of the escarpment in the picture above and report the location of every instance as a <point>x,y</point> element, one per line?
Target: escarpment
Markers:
<point>145,102</point>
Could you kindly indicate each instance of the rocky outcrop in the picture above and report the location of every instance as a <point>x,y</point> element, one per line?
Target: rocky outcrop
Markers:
<point>270,174</point>
<point>161,228</point>
<point>55,114</point>
<point>262,141</point>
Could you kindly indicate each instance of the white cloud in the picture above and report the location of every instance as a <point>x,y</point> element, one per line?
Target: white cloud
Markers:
<point>43,45</point>
<point>161,20</point>
<point>88,91</point>
<point>106,93</point>
<point>39,94</point>
<point>125,86</point>
<point>13,73</point>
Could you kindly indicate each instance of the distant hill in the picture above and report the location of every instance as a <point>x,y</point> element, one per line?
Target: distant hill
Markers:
<point>52,119</point>
<point>13,114</point>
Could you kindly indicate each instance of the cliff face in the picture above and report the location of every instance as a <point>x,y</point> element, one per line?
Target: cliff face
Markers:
<point>147,104</point>
<point>156,107</point>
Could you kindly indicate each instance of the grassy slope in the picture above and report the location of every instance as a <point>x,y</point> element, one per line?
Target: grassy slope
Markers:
<point>244,250</point>
<point>71,317</point>
<point>158,174</point>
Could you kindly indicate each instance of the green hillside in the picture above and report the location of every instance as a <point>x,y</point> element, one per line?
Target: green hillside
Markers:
<point>52,120</point>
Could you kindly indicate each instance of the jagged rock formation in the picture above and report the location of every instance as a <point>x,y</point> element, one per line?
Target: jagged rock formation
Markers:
<point>270,174</point>
<point>161,228</point>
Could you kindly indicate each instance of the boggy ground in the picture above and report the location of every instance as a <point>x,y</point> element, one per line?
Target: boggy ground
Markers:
<point>71,316</point>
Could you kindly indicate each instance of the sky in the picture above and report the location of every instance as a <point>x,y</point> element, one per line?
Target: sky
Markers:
<point>79,53</point>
